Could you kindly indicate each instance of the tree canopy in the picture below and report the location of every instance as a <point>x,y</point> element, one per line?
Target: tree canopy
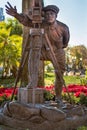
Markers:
<point>10,44</point>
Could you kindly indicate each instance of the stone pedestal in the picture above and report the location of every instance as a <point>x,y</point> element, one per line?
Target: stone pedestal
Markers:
<point>26,95</point>
<point>20,116</point>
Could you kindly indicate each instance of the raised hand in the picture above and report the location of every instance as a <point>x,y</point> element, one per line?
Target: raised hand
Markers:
<point>11,10</point>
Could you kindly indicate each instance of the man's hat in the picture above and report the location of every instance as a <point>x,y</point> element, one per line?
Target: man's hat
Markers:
<point>51,7</point>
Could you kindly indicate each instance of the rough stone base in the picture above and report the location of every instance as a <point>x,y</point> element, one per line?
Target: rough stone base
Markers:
<point>26,95</point>
<point>42,117</point>
<point>2,127</point>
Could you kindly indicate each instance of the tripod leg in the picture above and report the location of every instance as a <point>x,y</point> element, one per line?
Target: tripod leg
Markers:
<point>19,73</point>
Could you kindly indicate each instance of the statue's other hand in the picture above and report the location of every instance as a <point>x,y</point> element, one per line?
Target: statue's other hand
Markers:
<point>10,10</point>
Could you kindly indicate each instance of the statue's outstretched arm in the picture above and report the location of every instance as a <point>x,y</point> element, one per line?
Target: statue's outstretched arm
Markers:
<point>11,10</point>
<point>22,18</point>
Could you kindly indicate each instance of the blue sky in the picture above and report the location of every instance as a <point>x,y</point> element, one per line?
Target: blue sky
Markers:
<point>72,12</point>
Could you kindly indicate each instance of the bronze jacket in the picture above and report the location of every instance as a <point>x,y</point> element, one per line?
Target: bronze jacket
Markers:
<point>58,33</point>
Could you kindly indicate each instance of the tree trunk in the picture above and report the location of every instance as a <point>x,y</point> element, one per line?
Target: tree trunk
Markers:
<point>26,4</point>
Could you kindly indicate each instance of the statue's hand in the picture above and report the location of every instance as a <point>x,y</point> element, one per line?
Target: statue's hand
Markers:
<point>10,10</point>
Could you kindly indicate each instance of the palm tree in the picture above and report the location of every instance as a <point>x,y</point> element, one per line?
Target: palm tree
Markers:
<point>10,49</point>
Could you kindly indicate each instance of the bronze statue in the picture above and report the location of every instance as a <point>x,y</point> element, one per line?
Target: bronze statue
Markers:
<point>56,34</point>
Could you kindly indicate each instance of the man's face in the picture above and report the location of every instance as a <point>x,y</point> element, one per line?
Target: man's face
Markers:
<point>50,16</point>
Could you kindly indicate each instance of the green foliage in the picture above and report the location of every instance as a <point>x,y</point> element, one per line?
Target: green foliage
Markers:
<point>48,95</point>
<point>82,128</point>
<point>48,67</point>
<point>3,99</point>
<point>79,51</point>
<point>74,99</point>
<point>72,79</point>
<point>8,82</point>
<point>16,27</point>
<point>83,99</point>
<point>83,81</point>
<point>10,45</point>
<point>50,78</point>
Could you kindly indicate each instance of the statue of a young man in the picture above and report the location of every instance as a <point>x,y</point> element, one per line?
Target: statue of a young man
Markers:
<point>58,36</point>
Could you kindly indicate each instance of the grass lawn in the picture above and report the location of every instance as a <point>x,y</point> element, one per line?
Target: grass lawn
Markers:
<point>72,79</point>
<point>50,78</point>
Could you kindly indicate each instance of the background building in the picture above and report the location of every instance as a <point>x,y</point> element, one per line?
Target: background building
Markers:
<point>2,17</point>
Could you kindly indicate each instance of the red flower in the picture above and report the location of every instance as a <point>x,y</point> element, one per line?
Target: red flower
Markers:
<point>7,91</point>
<point>77,94</point>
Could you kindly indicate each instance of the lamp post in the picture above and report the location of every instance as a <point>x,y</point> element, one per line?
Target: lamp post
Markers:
<point>74,64</point>
<point>80,66</point>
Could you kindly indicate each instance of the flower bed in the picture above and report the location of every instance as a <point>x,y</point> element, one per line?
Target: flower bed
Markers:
<point>78,91</point>
<point>6,93</point>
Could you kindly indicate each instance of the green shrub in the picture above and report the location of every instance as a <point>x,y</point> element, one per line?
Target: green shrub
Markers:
<point>82,128</point>
<point>83,99</point>
<point>83,81</point>
<point>48,95</point>
<point>73,99</point>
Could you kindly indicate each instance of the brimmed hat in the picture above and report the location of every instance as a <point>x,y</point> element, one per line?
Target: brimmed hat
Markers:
<point>51,7</point>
